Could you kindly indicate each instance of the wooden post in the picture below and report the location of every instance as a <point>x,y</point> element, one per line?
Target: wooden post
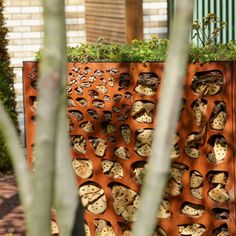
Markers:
<point>134,19</point>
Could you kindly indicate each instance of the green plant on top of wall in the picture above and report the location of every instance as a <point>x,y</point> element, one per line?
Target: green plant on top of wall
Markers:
<point>7,93</point>
<point>155,49</point>
<point>139,50</point>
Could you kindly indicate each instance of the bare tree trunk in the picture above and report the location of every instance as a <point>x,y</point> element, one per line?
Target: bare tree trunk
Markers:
<point>50,87</point>
<point>66,197</point>
<point>168,108</point>
<point>53,179</point>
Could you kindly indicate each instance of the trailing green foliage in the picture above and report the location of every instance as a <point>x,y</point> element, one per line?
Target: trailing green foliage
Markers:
<point>7,94</point>
<point>146,50</point>
<point>155,49</point>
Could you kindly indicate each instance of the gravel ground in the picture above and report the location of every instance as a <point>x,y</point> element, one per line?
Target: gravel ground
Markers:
<point>11,215</point>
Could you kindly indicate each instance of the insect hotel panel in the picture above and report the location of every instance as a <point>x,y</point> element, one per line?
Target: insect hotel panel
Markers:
<point>111,109</point>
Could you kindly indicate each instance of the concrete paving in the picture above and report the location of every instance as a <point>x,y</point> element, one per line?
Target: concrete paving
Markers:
<point>11,215</point>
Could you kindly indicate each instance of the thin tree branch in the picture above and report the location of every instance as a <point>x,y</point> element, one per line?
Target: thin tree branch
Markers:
<point>66,197</point>
<point>159,163</point>
<point>16,152</point>
<point>66,193</point>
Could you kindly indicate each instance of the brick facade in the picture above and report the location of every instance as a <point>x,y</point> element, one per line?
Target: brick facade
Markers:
<point>155,18</point>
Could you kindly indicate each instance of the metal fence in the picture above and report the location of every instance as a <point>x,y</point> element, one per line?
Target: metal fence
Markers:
<point>224,9</point>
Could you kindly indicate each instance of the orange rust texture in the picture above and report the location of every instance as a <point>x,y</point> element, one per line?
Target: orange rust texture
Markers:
<point>79,73</point>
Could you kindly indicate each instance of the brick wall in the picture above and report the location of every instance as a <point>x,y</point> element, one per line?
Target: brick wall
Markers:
<point>24,21</point>
<point>155,18</point>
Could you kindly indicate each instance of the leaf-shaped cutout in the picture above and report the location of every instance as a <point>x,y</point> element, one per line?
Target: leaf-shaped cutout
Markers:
<point>199,109</point>
<point>196,179</point>
<point>139,171</point>
<point>192,229</point>
<point>99,145</point>
<point>218,116</point>
<point>218,149</point>
<point>79,143</point>
<point>221,213</point>
<point>103,227</point>
<point>128,95</point>
<point>93,114</point>
<point>33,102</point>
<point>107,115</point>
<point>93,197</point>
<point>125,201</point>
<point>208,83</point>
<point>83,168</point>
<point>122,153</point>
<point>217,177</point>
<point>112,169</point>
<point>82,101</point>
<point>98,72</point>
<point>147,84</point>
<point>98,103</point>
<point>125,133</point>
<point>192,209</point>
<point>124,81</point>
<point>117,98</point>
<point>108,127</point>
<point>219,194</point>
<point>93,94</point>
<point>192,144</point>
<point>87,126</point>
<point>222,230</point>
<point>77,115</point>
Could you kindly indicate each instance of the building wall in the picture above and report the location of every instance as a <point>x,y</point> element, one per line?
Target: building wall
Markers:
<point>105,19</point>
<point>155,18</point>
<point>24,21</point>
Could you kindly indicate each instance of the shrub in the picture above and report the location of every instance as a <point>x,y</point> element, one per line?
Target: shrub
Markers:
<point>7,94</point>
<point>153,49</point>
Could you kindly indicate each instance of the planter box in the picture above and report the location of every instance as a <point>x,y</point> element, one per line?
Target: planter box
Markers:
<point>111,107</point>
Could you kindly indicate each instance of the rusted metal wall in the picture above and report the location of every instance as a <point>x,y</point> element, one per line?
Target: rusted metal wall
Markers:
<point>111,108</point>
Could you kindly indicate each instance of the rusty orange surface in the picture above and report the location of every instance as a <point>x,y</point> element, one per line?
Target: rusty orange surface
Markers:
<point>99,74</point>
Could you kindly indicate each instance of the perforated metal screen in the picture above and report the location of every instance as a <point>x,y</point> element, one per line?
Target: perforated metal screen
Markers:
<point>111,108</point>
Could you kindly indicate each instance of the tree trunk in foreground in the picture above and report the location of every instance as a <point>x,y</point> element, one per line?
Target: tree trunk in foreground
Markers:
<point>168,108</point>
<point>48,186</point>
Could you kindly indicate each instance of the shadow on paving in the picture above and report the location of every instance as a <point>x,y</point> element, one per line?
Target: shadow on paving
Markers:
<point>8,205</point>
<point>11,214</point>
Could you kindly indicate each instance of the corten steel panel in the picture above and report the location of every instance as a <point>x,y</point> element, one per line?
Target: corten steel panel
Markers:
<point>99,78</point>
<point>30,76</point>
